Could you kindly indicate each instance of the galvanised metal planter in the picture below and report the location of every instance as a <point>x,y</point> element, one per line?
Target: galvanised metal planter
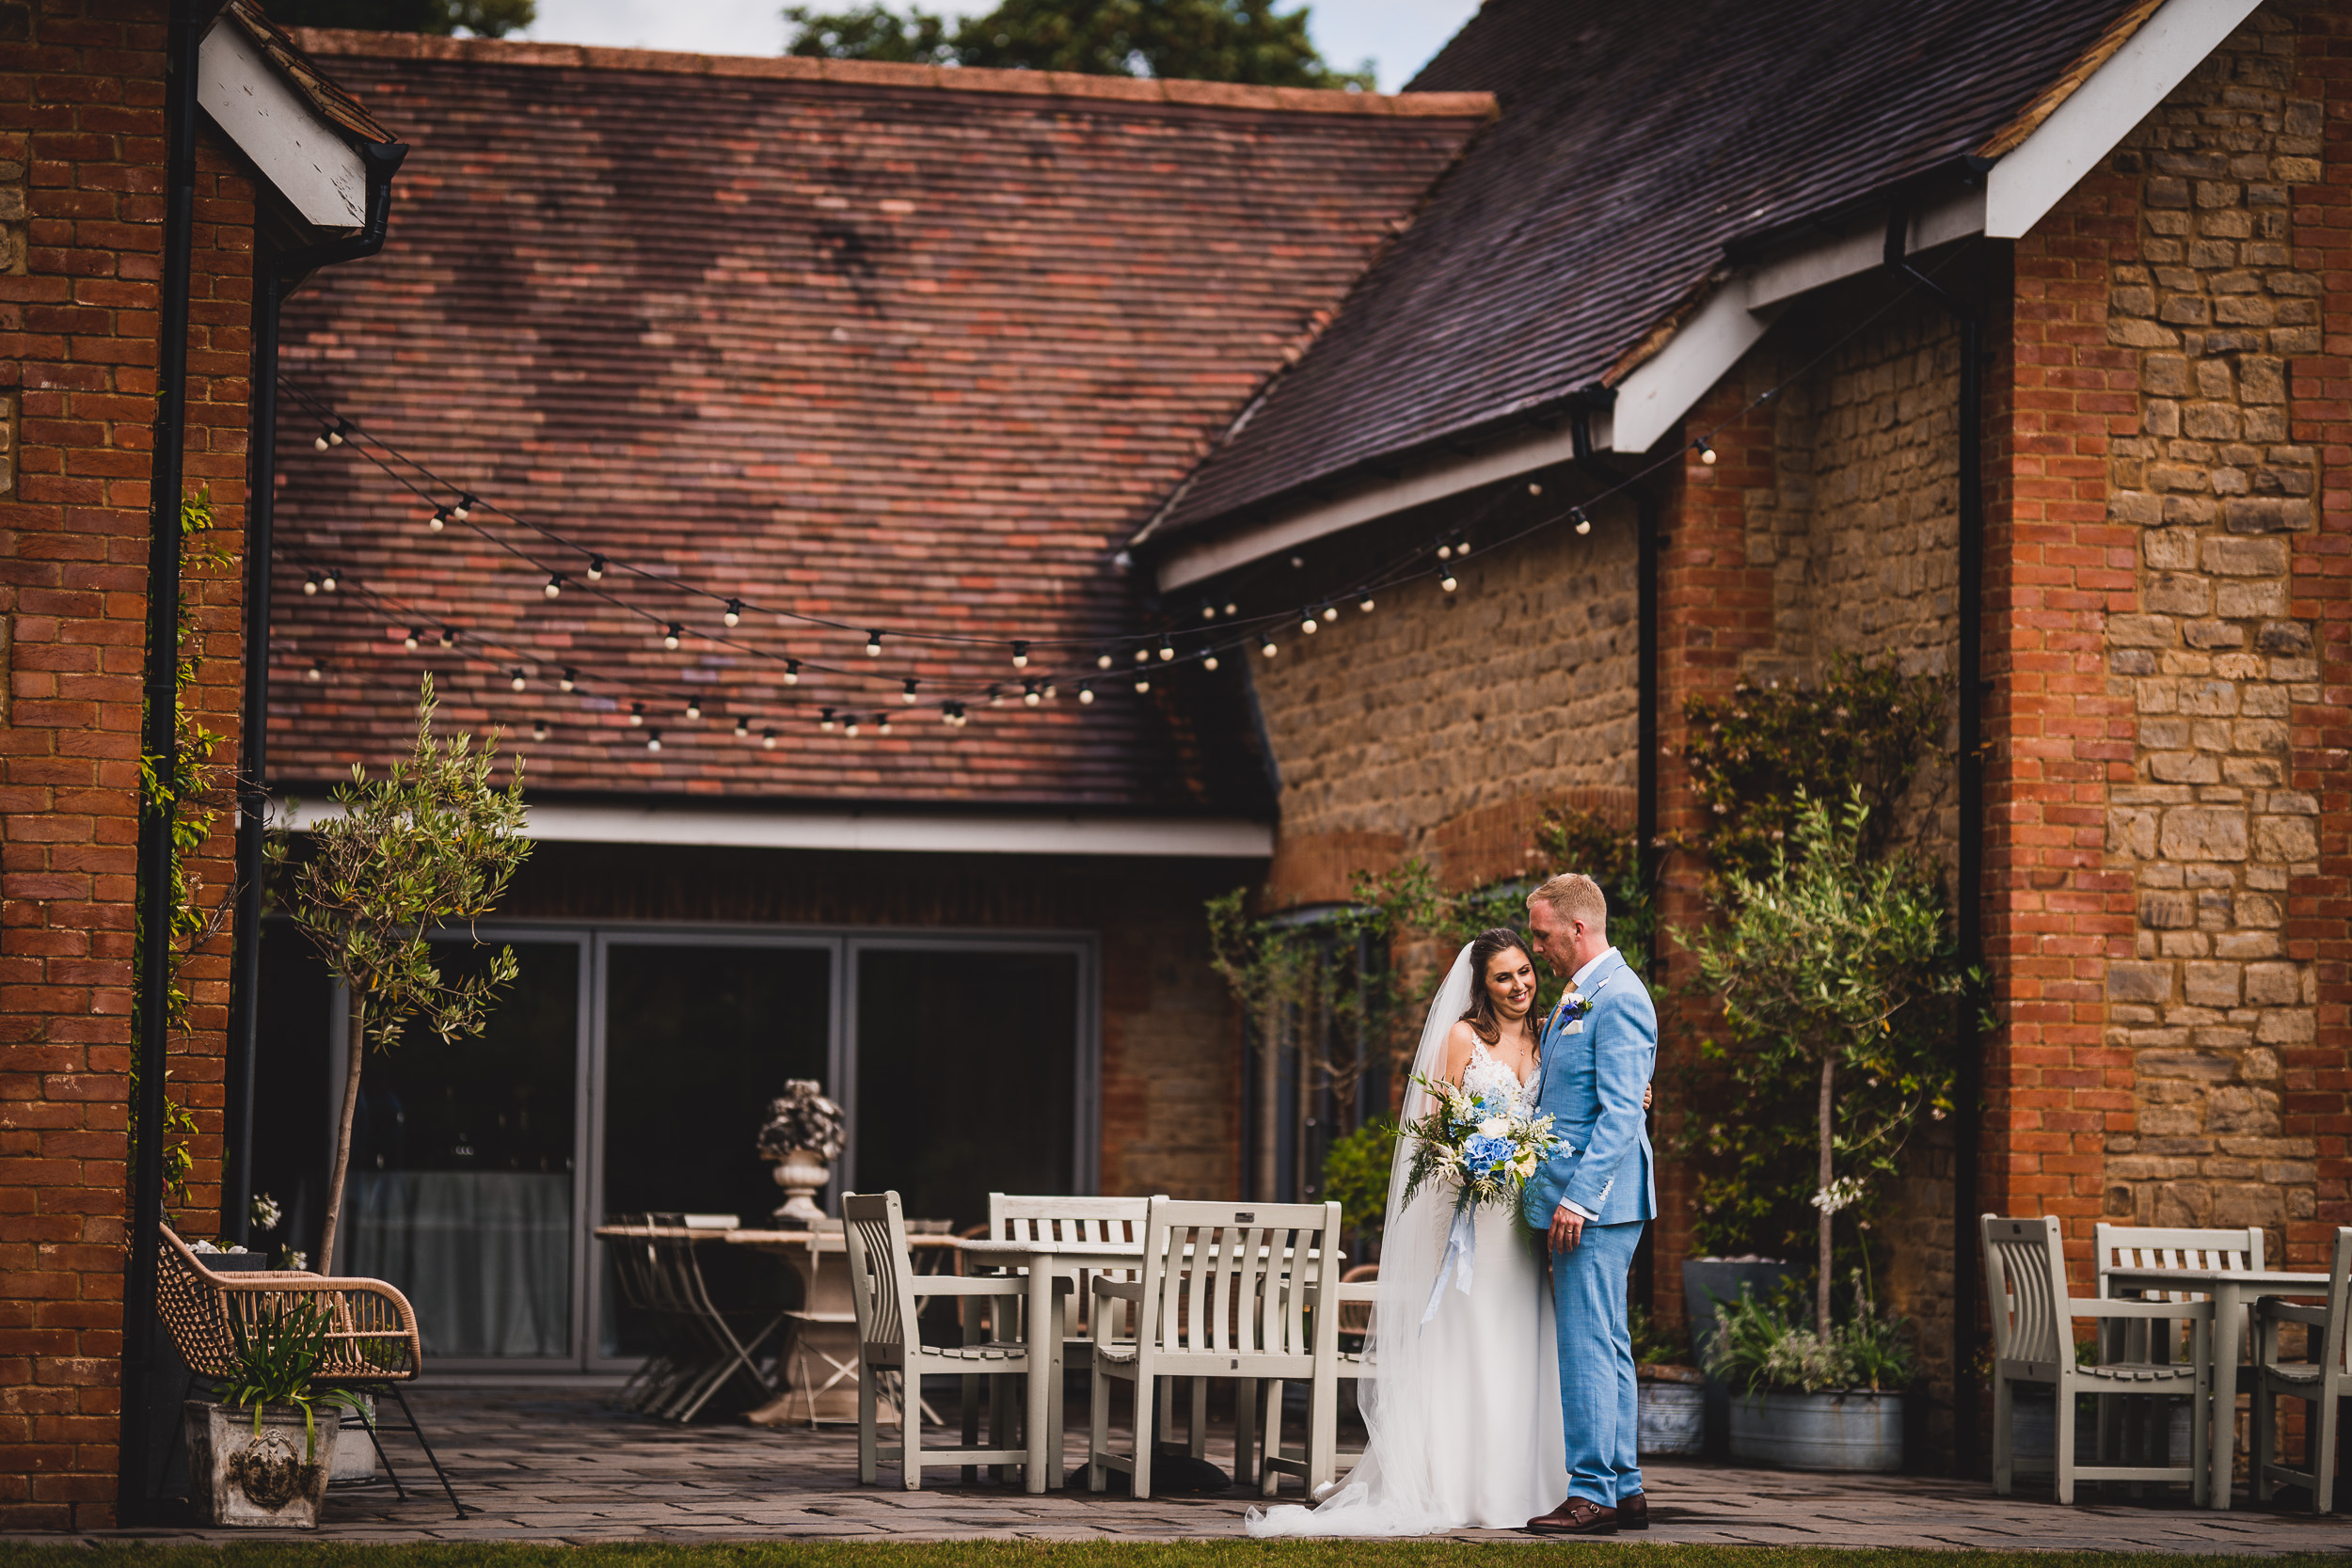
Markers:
<point>1673,1411</point>
<point>1854,1431</point>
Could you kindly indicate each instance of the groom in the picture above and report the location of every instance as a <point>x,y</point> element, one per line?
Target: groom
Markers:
<point>1592,1197</point>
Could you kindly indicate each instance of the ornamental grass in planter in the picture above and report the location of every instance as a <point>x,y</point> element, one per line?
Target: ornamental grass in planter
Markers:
<point>1803,1400</point>
<point>259,1452</point>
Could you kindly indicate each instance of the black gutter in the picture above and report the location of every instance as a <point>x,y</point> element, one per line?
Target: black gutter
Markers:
<point>159,740</point>
<point>275,277</point>
<point>1646,546</point>
<point>1967,1046</point>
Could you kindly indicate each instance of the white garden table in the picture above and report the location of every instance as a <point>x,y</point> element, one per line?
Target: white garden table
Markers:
<point>2232,1290</point>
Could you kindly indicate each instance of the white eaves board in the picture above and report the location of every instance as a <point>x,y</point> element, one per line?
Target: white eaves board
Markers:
<point>296,150</point>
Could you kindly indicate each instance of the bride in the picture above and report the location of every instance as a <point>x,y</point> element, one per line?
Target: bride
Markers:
<point>1464,1408</point>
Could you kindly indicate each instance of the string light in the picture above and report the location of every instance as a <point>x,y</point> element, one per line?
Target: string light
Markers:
<point>596,568</point>
<point>1231,610</point>
<point>1028,694</point>
<point>734,616</point>
<point>463,510</point>
<point>768,740</point>
<point>439,519</point>
<point>1307,624</point>
<point>907,696</point>
<point>1365,604</point>
<point>653,740</point>
<point>1021,656</point>
<point>881,723</point>
<point>848,725</point>
<point>873,644</point>
<point>1103,661</point>
<point>539,729</point>
<point>1208,613</point>
<point>1208,659</point>
<point>671,634</point>
<point>1167,648</point>
<point>743,729</point>
<point>1086,691</point>
<point>1446,551</point>
<point>326,580</point>
<point>824,720</point>
<point>1533,488</point>
<point>1584,524</point>
<point>554,589</point>
<point>1445,580</point>
<point>1268,648</point>
<point>516,681</point>
<point>310,586</point>
<point>1706,454</point>
<point>791,671</point>
<point>1143,684</point>
<point>1331,612</point>
<point>1143,656</point>
<point>316,672</point>
<point>571,678</point>
<point>1050,692</point>
<point>995,697</point>
<point>693,709</point>
<point>636,715</point>
<point>449,637</point>
<point>415,635</point>
<point>332,435</point>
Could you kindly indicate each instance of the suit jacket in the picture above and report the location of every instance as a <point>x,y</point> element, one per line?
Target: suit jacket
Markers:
<point>1590,1082</point>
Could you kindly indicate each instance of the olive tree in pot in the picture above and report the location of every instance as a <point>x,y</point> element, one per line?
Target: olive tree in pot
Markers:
<point>431,844</point>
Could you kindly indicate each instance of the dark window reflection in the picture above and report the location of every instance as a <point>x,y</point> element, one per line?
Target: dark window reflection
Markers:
<point>965,1076</point>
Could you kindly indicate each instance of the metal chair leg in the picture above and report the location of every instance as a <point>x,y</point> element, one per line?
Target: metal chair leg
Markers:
<point>429,1457</point>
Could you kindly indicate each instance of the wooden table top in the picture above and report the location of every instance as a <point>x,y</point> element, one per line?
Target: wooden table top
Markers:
<point>750,1238</point>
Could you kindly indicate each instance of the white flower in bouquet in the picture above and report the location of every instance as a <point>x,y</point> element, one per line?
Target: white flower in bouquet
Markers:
<point>1485,1146</point>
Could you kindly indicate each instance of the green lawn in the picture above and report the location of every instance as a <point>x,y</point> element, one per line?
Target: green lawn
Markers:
<point>1017,1554</point>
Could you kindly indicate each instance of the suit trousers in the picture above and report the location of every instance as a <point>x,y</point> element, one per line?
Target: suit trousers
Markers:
<point>1599,1400</point>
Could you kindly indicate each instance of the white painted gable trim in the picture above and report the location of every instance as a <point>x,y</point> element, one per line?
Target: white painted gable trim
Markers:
<point>298,151</point>
<point>923,833</point>
<point>2036,176</point>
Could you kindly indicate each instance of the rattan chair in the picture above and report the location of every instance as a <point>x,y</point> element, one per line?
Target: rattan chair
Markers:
<point>372,1343</point>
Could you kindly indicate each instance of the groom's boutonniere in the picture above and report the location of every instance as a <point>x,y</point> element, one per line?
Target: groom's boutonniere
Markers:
<point>1573,1008</point>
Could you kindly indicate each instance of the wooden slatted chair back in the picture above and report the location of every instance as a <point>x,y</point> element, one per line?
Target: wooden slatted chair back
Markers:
<point>2025,1279</point>
<point>2126,1246</point>
<point>1226,1285</point>
<point>1105,1220</point>
<point>2337,1350</point>
<point>881,1275</point>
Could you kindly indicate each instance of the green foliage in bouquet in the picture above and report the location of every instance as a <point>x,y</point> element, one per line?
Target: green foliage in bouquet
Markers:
<point>1764,1347</point>
<point>1484,1147</point>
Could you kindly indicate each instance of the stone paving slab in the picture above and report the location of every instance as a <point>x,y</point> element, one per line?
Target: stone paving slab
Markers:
<point>560,1465</point>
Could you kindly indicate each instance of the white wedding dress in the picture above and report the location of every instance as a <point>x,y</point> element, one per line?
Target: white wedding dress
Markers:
<point>1464,1410</point>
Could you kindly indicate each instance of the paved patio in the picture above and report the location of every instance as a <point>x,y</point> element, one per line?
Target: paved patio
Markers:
<point>558,1463</point>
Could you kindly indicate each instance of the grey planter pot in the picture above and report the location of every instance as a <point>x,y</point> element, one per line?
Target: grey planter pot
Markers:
<point>1705,1282</point>
<point>272,1481</point>
<point>355,1455</point>
<point>1673,1415</point>
<point>1854,1432</point>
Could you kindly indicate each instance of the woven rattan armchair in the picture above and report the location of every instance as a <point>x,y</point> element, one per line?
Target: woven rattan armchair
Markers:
<point>372,1342</point>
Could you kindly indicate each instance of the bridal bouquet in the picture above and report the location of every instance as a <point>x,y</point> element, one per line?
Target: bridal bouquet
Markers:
<point>1487,1148</point>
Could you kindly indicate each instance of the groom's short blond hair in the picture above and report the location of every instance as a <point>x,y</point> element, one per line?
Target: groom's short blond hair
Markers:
<point>1573,896</point>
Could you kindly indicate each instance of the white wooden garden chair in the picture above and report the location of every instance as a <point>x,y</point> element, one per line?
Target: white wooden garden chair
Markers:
<point>2033,1341</point>
<point>1225,1292</point>
<point>886,1293</point>
<point>2323,1380</point>
<point>2132,1428</point>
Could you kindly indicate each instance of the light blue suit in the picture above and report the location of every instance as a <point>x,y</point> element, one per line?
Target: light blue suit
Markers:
<point>1591,1083</point>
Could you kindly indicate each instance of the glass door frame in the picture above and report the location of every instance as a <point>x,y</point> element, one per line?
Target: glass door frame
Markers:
<point>846,945</point>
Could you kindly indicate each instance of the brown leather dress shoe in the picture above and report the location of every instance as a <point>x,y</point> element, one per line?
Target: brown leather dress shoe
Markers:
<point>1633,1512</point>
<point>1577,1516</point>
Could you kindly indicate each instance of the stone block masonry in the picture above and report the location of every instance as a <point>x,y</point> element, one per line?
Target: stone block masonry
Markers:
<point>81,210</point>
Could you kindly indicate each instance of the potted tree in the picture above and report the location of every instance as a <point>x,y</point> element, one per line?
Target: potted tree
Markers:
<point>1807,1400</point>
<point>432,842</point>
<point>258,1453</point>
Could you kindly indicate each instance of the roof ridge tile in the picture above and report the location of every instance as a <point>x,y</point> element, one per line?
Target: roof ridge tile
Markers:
<point>350,43</point>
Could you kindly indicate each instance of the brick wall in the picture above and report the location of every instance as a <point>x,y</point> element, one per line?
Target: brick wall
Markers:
<point>78,302</point>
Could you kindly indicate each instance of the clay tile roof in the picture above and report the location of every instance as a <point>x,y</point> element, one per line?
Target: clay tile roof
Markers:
<point>886,345</point>
<point>1636,142</point>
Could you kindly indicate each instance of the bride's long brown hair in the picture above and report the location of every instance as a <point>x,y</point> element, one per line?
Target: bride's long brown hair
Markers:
<point>1484,949</point>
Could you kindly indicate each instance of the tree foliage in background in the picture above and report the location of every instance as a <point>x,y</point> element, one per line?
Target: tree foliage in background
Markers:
<point>1210,40</point>
<point>1839,972</point>
<point>1750,753</point>
<point>196,797</point>
<point>431,844</point>
<point>489,19</point>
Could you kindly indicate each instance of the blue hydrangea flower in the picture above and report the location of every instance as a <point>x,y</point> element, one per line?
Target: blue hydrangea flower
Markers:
<point>1483,1154</point>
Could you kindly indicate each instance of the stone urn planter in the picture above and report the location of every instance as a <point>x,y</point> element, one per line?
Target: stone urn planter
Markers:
<point>273,1481</point>
<point>1673,1410</point>
<point>1856,1431</point>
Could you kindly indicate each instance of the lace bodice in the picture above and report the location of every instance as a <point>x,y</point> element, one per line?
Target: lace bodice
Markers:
<point>1486,1076</point>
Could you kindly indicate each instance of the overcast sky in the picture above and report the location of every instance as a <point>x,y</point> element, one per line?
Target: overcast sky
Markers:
<point>1398,34</point>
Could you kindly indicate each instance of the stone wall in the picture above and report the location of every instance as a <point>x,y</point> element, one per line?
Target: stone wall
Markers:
<point>2208,303</point>
<point>1439,724</point>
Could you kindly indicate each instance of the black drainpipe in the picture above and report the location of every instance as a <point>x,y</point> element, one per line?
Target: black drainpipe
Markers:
<point>275,277</point>
<point>1646,546</point>
<point>1968,1048</point>
<point>158,740</point>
